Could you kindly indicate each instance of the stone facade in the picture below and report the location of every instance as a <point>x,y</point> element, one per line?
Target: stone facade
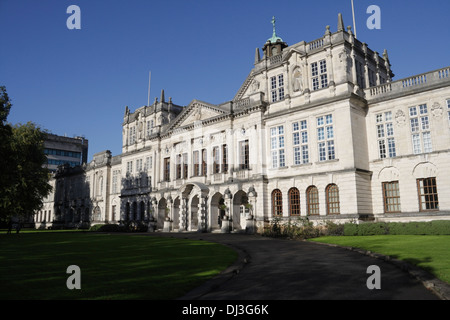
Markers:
<point>318,130</point>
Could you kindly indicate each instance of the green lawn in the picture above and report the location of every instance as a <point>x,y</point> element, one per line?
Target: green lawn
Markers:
<point>431,253</point>
<point>113,266</point>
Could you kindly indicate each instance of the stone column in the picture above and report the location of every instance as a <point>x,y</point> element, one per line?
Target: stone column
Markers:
<point>251,217</point>
<point>152,220</point>
<point>168,220</point>
<point>228,201</point>
<point>183,214</point>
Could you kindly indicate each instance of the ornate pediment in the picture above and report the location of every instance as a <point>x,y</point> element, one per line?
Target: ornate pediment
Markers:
<point>197,111</point>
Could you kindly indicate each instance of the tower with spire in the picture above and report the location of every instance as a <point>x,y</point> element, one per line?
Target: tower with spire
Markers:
<point>275,44</point>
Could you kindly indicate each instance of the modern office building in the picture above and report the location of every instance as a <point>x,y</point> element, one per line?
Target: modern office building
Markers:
<point>62,150</point>
<point>318,129</point>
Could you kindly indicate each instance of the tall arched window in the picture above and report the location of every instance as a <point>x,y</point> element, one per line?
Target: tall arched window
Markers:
<point>332,193</point>
<point>312,199</point>
<point>277,203</point>
<point>294,202</point>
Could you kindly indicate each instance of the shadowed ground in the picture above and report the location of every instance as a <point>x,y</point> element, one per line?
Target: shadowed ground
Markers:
<point>278,269</point>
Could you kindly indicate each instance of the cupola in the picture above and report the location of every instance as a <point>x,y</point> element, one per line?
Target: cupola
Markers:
<point>274,45</point>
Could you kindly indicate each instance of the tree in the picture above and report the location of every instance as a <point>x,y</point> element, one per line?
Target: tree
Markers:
<point>5,151</point>
<point>24,183</point>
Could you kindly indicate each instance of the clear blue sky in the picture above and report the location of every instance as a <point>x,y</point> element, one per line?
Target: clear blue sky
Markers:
<point>78,82</point>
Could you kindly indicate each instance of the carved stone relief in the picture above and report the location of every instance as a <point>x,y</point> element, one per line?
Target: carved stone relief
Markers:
<point>400,118</point>
<point>436,110</point>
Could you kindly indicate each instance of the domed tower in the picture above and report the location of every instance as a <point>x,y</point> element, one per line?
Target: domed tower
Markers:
<point>274,45</point>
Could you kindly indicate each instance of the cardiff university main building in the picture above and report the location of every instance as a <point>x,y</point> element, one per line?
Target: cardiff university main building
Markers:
<point>318,129</point>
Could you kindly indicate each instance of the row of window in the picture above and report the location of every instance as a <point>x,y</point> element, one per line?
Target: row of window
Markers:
<point>319,79</point>
<point>200,161</point>
<point>325,140</point>
<point>420,129</point>
<point>326,151</point>
<point>426,188</point>
<point>62,162</point>
<point>131,138</point>
<point>427,193</point>
<point>312,201</point>
<point>55,152</point>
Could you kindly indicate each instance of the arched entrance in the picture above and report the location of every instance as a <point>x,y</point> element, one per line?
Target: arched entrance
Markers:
<point>217,211</point>
<point>193,217</point>
<point>176,213</point>
<point>240,210</point>
<point>162,213</point>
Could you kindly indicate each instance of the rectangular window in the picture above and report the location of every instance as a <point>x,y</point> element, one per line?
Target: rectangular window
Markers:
<point>319,75</point>
<point>178,166</point>
<point>185,165</point>
<point>138,165</point>
<point>385,135</point>
<point>391,197</point>
<point>360,74</point>
<point>150,125</point>
<point>166,169</point>
<point>372,78</point>
<point>244,155</point>
<point>196,158</point>
<point>204,162</point>
<point>300,140</point>
<point>420,129</point>
<point>325,138</point>
<point>428,195</point>
<point>115,182</point>
<point>224,158</point>
<point>130,167</point>
<point>277,87</point>
<point>216,160</point>
<point>132,135</point>
<point>149,163</point>
<point>277,146</point>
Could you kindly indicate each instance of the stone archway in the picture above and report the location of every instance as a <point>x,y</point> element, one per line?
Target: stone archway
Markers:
<point>193,214</point>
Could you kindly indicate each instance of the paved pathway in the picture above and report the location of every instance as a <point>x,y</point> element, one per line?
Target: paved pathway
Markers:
<point>275,269</point>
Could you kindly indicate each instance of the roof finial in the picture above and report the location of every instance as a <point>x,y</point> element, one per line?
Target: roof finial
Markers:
<point>273,23</point>
<point>274,38</point>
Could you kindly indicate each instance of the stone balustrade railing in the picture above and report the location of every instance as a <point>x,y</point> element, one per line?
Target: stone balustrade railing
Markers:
<point>408,84</point>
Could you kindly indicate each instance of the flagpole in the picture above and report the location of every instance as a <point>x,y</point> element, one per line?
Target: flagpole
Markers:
<point>354,23</point>
<point>149,80</point>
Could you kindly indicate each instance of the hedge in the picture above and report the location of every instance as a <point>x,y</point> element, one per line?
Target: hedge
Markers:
<point>441,227</point>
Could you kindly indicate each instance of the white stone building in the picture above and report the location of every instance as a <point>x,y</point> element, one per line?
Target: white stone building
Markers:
<point>318,129</point>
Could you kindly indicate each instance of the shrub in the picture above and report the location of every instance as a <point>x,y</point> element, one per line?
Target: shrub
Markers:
<point>350,229</point>
<point>334,229</point>
<point>95,227</point>
<point>373,229</point>
<point>398,228</point>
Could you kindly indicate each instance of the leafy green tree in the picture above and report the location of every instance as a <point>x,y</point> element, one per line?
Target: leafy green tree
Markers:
<point>25,180</point>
